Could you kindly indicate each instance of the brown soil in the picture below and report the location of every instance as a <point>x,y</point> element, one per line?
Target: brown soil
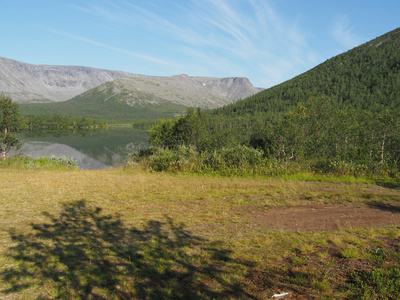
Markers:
<point>327,216</point>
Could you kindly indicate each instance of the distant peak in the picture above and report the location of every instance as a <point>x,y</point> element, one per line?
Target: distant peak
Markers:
<point>182,76</point>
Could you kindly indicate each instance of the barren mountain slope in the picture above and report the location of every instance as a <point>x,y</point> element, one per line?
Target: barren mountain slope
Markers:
<point>180,89</point>
<point>28,83</point>
<point>233,88</point>
<point>45,83</point>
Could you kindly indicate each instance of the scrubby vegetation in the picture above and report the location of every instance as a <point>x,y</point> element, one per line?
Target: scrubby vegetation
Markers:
<point>339,118</point>
<point>28,162</point>
<point>316,137</point>
<point>57,122</point>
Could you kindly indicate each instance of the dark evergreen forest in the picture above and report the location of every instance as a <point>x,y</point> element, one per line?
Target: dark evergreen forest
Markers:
<point>366,78</point>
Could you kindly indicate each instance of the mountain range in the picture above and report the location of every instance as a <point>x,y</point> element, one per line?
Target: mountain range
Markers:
<point>28,83</point>
<point>203,92</point>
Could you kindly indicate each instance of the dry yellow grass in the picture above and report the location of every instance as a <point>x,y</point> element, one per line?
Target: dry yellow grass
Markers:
<point>201,202</point>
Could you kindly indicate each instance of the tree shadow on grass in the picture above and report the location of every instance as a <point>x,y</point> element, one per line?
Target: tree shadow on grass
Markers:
<point>85,254</point>
<point>384,206</point>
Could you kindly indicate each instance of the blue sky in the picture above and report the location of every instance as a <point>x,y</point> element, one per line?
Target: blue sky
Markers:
<point>268,41</point>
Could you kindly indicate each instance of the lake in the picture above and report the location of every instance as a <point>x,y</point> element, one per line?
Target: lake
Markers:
<point>97,150</point>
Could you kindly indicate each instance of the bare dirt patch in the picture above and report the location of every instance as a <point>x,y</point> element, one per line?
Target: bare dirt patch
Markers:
<point>328,216</point>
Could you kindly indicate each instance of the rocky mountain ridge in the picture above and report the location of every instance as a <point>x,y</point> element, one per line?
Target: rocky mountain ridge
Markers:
<point>28,83</point>
<point>203,92</point>
<point>46,83</point>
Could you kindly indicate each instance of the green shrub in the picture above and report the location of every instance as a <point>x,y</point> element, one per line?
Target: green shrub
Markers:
<point>233,160</point>
<point>162,159</point>
<point>338,167</point>
<point>356,169</point>
<point>238,160</point>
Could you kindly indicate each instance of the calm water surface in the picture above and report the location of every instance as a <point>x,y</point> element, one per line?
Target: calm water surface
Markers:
<point>99,150</point>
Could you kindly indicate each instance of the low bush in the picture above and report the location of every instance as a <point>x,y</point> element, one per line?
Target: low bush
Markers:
<point>227,161</point>
<point>241,160</point>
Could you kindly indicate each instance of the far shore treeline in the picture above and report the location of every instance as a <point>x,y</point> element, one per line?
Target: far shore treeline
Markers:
<point>55,122</point>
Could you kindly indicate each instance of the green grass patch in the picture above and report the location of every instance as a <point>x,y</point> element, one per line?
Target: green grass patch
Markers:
<point>378,283</point>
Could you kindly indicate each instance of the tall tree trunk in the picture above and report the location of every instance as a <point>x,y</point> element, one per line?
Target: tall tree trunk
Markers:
<point>3,146</point>
<point>383,146</point>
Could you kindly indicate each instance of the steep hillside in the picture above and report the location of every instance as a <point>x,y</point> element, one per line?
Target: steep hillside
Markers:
<point>342,117</point>
<point>367,77</point>
<point>93,106</point>
<point>44,83</point>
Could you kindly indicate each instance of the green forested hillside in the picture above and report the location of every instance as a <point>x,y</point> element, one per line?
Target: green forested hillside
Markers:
<point>366,77</point>
<point>92,104</point>
<point>342,115</point>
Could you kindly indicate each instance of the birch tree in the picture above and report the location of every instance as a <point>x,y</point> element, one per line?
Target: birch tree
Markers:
<point>10,120</point>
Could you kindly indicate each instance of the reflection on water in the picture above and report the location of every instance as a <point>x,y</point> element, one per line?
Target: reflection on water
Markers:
<point>99,150</point>
<point>36,149</point>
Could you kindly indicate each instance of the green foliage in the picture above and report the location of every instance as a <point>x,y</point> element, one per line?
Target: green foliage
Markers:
<point>28,162</point>
<point>317,136</point>
<point>240,159</point>
<point>366,77</point>
<point>92,105</point>
<point>321,129</point>
<point>237,160</point>
<point>53,122</point>
<point>160,133</point>
<point>378,283</point>
<point>193,129</point>
<point>343,111</point>
<point>10,121</point>
<point>183,130</point>
<point>382,281</point>
<point>341,117</point>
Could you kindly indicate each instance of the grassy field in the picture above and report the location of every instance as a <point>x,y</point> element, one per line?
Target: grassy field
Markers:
<point>130,234</point>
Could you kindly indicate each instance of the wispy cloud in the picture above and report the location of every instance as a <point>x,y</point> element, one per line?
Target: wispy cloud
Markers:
<point>344,33</point>
<point>109,12</point>
<point>138,17</point>
<point>230,21</point>
<point>105,46</point>
<point>220,35</point>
